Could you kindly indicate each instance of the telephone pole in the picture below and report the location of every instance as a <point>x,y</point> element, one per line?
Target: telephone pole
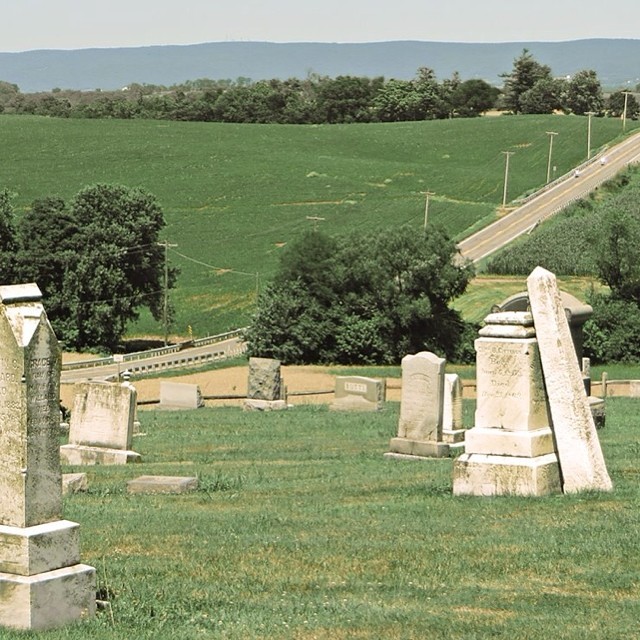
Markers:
<point>426,206</point>
<point>165,307</point>
<point>589,114</point>
<point>507,155</point>
<point>315,219</point>
<point>624,112</point>
<point>551,134</point>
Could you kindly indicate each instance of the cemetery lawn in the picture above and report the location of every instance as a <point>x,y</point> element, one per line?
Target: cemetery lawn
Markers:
<point>301,529</point>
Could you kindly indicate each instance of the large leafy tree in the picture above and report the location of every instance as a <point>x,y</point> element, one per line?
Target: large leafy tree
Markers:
<point>364,298</point>
<point>47,249</point>
<point>97,260</point>
<point>472,98</point>
<point>584,93</point>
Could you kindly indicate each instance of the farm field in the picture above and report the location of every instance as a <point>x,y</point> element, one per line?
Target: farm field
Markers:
<point>301,529</point>
<point>234,195</point>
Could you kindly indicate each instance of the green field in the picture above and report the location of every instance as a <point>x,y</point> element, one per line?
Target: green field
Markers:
<point>302,530</point>
<point>234,195</point>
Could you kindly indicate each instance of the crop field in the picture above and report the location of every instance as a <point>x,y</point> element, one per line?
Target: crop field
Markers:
<point>234,195</point>
<point>301,529</point>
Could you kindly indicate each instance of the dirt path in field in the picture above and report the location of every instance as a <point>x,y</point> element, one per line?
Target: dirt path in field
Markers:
<point>316,383</point>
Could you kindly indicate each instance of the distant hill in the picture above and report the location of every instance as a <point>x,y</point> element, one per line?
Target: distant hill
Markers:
<point>617,62</point>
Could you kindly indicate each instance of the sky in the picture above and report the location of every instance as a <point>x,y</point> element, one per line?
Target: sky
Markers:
<point>79,24</point>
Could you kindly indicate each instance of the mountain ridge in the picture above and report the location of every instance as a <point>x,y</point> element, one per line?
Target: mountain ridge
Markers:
<point>614,60</point>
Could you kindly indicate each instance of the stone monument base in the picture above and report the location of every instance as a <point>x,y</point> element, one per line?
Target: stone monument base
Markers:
<point>253,404</point>
<point>48,600</point>
<point>501,442</point>
<point>477,474</point>
<point>76,454</point>
<point>419,448</point>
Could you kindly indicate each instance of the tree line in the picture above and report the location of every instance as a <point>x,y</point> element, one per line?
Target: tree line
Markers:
<point>529,87</point>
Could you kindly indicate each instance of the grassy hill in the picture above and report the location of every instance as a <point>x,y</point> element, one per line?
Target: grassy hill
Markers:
<point>234,195</point>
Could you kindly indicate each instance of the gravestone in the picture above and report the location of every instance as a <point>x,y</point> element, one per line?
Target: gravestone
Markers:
<point>42,583</point>
<point>101,425</point>
<point>421,408</point>
<point>162,484</point>
<point>510,450</point>
<point>358,393</point>
<point>581,460</point>
<point>178,395</point>
<point>452,428</point>
<point>265,391</point>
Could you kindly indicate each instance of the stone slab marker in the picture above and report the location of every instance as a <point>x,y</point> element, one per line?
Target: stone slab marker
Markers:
<point>180,395</point>
<point>101,426</point>
<point>421,408</point>
<point>452,428</point>
<point>42,583</point>
<point>358,393</point>
<point>581,461</point>
<point>265,391</point>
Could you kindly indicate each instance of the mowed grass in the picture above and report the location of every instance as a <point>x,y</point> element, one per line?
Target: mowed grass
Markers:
<point>235,195</point>
<point>302,529</point>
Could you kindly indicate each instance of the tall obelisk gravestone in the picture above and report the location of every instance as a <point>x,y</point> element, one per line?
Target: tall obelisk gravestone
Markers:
<point>42,583</point>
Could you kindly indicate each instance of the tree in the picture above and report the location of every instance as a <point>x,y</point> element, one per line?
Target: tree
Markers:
<point>584,93</point>
<point>364,298</point>
<point>8,243</point>
<point>616,105</point>
<point>472,98</point>
<point>616,242</point>
<point>525,74</point>
<point>47,239</point>
<point>546,96</point>
<point>98,260</point>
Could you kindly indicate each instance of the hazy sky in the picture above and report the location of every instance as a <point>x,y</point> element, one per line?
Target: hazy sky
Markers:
<point>79,24</point>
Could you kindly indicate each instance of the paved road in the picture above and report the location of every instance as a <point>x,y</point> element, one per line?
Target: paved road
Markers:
<point>191,357</point>
<point>551,200</point>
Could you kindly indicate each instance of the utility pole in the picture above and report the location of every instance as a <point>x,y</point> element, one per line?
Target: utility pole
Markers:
<point>315,219</point>
<point>165,307</point>
<point>507,155</point>
<point>551,135</point>
<point>589,114</point>
<point>624,111</point>
<point>426,206</point>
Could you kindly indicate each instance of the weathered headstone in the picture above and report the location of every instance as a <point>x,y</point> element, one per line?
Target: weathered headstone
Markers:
<point>452,428</point>
<point>510,450</point>
<point>178,395</point>
<point>581,460</point>
<point>265,391</point>
<point>359,393</point>
<point>101,426</point>
<point>421,408</point>
<point>42,583</point>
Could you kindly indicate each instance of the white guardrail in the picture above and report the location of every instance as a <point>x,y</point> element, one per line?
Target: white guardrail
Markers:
<point>139,356</point>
